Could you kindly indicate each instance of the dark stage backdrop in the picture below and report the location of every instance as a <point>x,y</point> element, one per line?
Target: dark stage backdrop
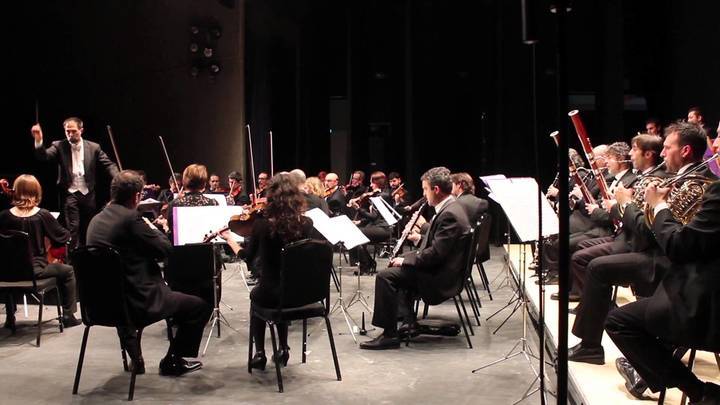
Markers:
<point>127,64</point>
<point>385,84</point>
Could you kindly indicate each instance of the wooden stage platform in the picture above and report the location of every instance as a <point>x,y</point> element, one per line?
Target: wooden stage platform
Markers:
<point>593,384</point>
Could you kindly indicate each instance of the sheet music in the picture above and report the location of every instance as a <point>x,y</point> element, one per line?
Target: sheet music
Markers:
<point>337,229</point>
<point>517,197</point>
<point>220,198</point>
<point>382,207</point>
<point>487,179</point>
<point>191,224</point>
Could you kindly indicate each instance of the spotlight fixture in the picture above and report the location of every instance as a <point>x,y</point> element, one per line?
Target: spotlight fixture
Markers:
<point>208,52</point>
<point>194,47</point>
<point>194,29</point>
<point>214,68</point>
<point>194,71</point>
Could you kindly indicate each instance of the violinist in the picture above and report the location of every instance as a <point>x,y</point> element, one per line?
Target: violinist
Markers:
<point>194,179</point>
<point>215,187</point>
<point>400,197</point>
<point>334,195</point>
<point>236,196</point>
<point>168,194</point>
<point>262,182</point>
<point>378,181</point>
<point>356,186</point>
<point>27,216</point>
<point>283,223</point>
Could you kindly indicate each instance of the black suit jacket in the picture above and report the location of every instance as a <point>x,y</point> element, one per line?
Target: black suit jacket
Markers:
<point>602,218</point>
<point>474,206</point>
<point>439,259</point>
<point>685,308</point>
<point>336,202</point>
<point>59,151</point>
<point>140,247</point>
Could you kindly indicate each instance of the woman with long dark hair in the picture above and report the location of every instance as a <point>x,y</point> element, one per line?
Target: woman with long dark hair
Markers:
<point>283,223</point>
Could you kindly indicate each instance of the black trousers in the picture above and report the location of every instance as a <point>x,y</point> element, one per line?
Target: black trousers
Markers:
<point>587,250</point>
<point>394,287</point>
<point>602,274</point>
<point>191,314</point>
<point>652,358</point>
<point>375,234</point>
<point>78,210</point>
<point>66,283</point>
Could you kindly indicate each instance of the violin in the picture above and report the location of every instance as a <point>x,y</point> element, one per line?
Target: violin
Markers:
<point>240,224</point>
<point>362,198</point>
<point>400,191</point>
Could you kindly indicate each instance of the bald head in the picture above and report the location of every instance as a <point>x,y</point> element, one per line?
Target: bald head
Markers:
<point>331,181</point>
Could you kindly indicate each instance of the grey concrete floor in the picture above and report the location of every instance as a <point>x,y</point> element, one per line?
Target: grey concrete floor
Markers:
<point>432,370</point>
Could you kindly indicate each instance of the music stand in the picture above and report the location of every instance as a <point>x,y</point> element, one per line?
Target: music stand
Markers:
<point>515,196</point>
<point>341,232</point>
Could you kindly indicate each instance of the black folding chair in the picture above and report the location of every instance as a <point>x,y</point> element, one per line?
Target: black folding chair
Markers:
<point>464,247</point>
<point>483,251</point>
<point>100,274</point>
<point>304,293</point>
<point>18,275</point>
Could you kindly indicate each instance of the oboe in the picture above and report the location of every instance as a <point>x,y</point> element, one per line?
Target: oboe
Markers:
<point>408,228</point>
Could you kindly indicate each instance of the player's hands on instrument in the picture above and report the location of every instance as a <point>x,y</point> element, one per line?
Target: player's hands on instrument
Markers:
<point>552,192</point>
<point>414,237</point>
<point>576,192</point>
<point>608,204</point>
<point>655,195</point>
<point>591,207</point>
<point>623,195</point>
<point>150,224</point>
<point>396,262</point>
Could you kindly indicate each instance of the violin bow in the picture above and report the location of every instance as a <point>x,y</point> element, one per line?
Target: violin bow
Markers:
<point>252,160</point>
<point>167,158</point>
<point>112,142</point>
<point>272,164</point>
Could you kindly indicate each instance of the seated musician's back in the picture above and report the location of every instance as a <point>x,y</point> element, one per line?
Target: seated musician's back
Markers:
<point>141,245</point>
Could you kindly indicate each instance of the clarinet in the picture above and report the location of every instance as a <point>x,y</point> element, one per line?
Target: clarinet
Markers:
<point>408,228</point>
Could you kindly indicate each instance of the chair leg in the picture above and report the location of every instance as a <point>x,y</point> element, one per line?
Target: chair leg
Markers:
<point>334,275</point>
<point>80,360</point>
<point>661,399</point>
<point>473,303</point>
<point>59,310</point>
<point>133,374</point>
<point>485,279</point>
<point>717,360</point>
<point>332,348</point>
<point>691,363</point>
<point>304,341</point>
<point>467,317</point>
<point>425,311</point>
<point>40,315</point>
<point>276,357</point>
<point>123,353</point>
<point>475,292</point>
<point>250,344</point>
<point>462,322</point>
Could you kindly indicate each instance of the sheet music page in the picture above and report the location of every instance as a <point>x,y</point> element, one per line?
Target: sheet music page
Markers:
<point>487,179</point>
<point>380,205</point>
<point>517,197</point>
<point>348,232</point>
<point>220,198</point>
<point>191,224</point>
<point>321,222</point>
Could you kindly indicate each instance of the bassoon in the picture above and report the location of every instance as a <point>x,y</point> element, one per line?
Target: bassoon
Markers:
<point>587,196</point>
<point>588,149</point>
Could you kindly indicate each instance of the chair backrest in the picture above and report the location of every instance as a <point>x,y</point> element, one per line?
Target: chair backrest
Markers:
<point>100,274</point>
<point>464,247</point>
<point>305,273</point>
<point>472,250</point>
<point>483,244</point>
<point>17,258</point>
<point>190,269</point>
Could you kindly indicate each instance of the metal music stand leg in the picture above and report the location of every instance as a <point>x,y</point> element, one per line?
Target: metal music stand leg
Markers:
<point>340,304</point>
<point>359,297</point>
<point>217,317</point>
<point>525,349</point>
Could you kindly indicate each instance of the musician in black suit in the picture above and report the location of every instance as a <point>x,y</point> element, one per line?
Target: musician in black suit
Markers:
<point>642,268</point>
<point>335,196</point>
<point>685,308</point>
<point>142,245</point>
<point>78,161</point>
<point>431,271</point>
<point>464,192</point>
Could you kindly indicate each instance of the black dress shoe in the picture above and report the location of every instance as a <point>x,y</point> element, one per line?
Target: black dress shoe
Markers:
<point>175,366</point>
<point>573,297</point>
<point>711,395</point>
<point>69,321</point>
<point>10,323</point>
<point>381,342</point>
<point>633,382</point>
<point>283,355</point>
<point>258,361</point>
<point>592,355</point>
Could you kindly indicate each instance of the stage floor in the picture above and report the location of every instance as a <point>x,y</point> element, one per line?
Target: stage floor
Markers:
<point>431,370</point>
<point>588,383</point>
